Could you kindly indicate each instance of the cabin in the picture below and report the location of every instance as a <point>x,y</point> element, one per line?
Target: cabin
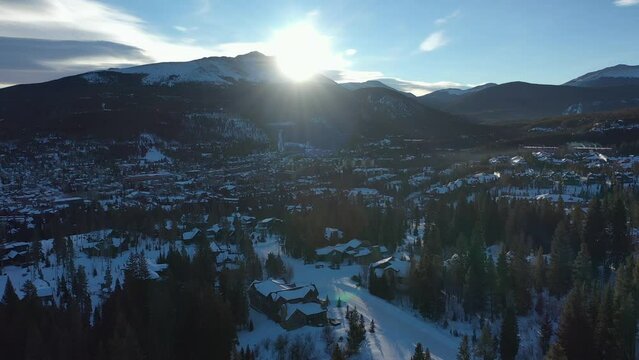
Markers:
<point>15,253</point>
<point>392,270</point>
<point>290,305</point>
<point>268,225</point>
<point>295,316</point>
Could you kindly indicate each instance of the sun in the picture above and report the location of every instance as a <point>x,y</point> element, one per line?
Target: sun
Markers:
<point>301,51</point>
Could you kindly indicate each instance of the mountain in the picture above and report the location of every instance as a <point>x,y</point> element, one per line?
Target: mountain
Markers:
<point>609,89</point>
<point>520,101</point>
<point>611,76</point>
<point>444,97</point>
<point>179,100</point>
<point>253,67</point>
<point>366,84</point>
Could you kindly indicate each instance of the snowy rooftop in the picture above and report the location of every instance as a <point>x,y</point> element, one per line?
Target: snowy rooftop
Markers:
<point>306,309</point>
<point>269,286</point>
<point>189,235</point>
<point>293,294</point>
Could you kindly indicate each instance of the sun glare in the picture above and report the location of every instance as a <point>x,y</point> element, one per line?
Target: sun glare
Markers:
<point>301,51</point>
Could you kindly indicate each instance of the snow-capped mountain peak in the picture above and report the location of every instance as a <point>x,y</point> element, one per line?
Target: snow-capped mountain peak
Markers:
<point>253,67</point>
<point>615,75</point>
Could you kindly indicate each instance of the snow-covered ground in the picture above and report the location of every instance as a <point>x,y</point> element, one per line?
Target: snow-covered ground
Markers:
<point>397,329</point>
<point>95,266</point>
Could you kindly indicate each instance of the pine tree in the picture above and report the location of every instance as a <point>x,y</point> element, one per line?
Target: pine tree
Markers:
<point>356,331</point>
<point>337,353</point>
<point>80,290</point>
<point>474,284</point>
<point>545,333</point>
<point>9,298</point>
<point>625,327</point>
<point>595,234</point>
<point>605,336</point>
<point>556,352</point>
<point>484,347</point>
<point>372,326</point>
<point>29,290</point>
<point>464,349</point>
<point>419,352</point>
<point>540,270</point>
<point>559,274</point>
<point>582,267</point>
<point>575,333</point>
<point>427,354</point>
<point>620,245</point>
<point>503,286</point>
<point>509,345</point>
<point>520,273</point>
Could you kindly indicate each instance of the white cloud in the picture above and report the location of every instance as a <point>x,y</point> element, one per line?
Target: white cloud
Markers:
<point>433,41</point>
<point>350,52</point>
<point>417,88</point>
<point>346,75</point>
<point>626,2</point>
<point>447,18</point>
<point>93,20</point>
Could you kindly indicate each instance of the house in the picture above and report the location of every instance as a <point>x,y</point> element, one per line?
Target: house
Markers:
<point>339,252</point>
<point>393,270</point>
<point>15,253</point>
<point>332,234</point>
<point>295,316</point>
<point>214,232</point>
<point>194,235</point>
<point>290,305</point>
<point>265,226</point>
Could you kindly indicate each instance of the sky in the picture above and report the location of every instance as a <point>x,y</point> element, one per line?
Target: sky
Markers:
<point>417,46</point>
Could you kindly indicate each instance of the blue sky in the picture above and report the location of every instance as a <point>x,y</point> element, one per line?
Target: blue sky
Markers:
<point>423,45</point>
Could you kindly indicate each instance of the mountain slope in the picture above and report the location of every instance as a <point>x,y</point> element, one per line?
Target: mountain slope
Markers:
<point>252,67</point>
<point>519,101</point>
<point>611,76</point>
<point>365,84</point>
<point>162,98</point>
<point>442,98</point>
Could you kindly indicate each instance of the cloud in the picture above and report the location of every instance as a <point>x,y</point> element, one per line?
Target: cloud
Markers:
<point>34,60</point>
<point>417,88</point>
<point>433,41</point>
<point>345,75</point>
<point>626,2</point>
<point>420,88</point>
<point>89,20</point>
<point>443,20</point>
<point>350,52</point>
<point>124,39</point>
